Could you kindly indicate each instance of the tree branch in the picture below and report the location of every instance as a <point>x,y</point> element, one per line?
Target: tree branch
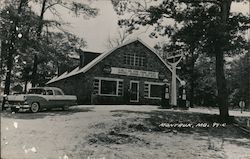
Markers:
<point>218,2</point>
<point>51,5</point>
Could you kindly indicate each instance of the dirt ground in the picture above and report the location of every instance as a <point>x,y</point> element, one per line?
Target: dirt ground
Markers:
<point>122,132</point>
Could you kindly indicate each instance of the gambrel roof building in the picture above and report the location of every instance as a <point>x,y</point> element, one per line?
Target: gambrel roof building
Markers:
<point>132,73</point>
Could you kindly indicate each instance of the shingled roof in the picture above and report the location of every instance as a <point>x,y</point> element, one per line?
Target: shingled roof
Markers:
<point>101,57</point>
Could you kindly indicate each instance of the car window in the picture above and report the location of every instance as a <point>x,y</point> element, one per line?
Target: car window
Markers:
<point>57,92</point>
<point>37,91</point>
<point>49,92</point>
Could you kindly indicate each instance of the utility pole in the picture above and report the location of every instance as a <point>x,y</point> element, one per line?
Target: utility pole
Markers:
<point>1,60</point>
<point>174,60</point>
<point>248,65</point>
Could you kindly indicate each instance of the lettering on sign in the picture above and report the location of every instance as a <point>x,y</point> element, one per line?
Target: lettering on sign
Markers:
<point>133,72</point>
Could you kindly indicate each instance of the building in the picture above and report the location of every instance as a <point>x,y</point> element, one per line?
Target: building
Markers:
<point>132,73</point>
<point>81,59</point>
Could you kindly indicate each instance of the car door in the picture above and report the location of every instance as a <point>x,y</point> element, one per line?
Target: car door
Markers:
<point>50,98</point>
<point>59,98</point>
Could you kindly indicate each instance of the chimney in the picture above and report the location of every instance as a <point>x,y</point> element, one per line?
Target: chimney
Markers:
<point>81,62</point>
<point>61,68</point>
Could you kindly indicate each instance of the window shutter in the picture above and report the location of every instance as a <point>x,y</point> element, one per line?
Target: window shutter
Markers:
<point>96,86</point>
<point>120,88</point>
<point>146,90</point>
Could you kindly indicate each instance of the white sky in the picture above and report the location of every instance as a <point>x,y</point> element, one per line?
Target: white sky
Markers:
<point>97,30</point>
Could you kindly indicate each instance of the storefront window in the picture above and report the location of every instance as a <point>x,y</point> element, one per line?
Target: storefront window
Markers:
<point>108,87</point>
<point>152,90</point>
<point>155,91</point>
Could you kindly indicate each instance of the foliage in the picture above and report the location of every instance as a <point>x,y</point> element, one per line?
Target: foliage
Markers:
<point>32,37</point>
<point>16,33</point>
<point>78,8</point>
<point>205,90</point>
<point>238,79</point>
<point>201,26</point>
<point>122,36</point>
<point>195,23</point>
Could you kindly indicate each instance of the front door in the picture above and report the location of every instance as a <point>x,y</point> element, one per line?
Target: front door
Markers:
<point>134,91</point>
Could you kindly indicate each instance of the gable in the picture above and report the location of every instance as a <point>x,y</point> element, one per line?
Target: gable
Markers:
<point>134,57</point>
<point>115,57</point>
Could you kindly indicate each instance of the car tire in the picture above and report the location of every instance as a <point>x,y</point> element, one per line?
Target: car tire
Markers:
<point>35,107</point>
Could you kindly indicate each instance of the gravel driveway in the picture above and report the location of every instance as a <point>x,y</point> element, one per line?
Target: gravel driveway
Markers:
<point>116,132</point>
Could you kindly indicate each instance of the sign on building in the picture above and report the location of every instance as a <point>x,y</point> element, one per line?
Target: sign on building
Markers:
<point>133,72</point>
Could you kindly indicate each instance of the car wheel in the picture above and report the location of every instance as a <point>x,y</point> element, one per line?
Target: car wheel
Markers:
<point>34,107</point>
<point>14,110</point>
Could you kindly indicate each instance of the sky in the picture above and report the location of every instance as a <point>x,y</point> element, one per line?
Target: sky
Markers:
<point>96,31</point>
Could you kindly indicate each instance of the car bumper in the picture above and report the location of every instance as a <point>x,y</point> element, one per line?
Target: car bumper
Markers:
<point>18,106</point>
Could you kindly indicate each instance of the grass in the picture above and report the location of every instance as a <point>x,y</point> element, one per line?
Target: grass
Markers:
<point>151,122</point>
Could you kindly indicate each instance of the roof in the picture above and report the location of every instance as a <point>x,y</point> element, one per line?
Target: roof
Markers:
<point>79,51</point>
<point>52,80</point>
<point>87,51</point>
<point>70,73</point>
<point>46,88</point>
<point>62,76</point>
<point>102,56</point>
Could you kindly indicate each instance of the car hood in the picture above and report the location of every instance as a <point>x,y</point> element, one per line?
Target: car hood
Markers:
<point>19,97</point>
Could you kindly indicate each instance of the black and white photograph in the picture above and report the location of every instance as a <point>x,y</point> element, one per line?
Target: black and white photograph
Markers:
<point>125,79</point>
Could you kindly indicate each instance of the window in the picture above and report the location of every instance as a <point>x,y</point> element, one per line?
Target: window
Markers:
<point>57,92</point>
<point>134,59</point>
<point>49,92</point>
<point>153,90</point>
<point>108,86</point>
<point>36,91</point>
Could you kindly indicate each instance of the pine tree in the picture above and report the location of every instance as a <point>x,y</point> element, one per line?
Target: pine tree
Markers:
<point>219,31</point>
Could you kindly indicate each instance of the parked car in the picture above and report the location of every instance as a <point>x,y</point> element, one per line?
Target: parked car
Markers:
<point>39,98</point>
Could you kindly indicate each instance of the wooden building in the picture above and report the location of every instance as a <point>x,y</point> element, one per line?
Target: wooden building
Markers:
<point>132,73</point>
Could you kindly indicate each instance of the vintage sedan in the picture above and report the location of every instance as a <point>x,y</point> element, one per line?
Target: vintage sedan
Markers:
<point>39,98</point>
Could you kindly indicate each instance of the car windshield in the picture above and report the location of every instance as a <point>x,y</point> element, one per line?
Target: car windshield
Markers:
<point>36,91</point>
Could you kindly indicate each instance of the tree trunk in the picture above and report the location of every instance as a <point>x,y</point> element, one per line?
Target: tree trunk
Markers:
<point>192,84</point>
<point>11,50</point>
<point>39,31</point>
<point>40,26</point>
<point>34,72</point>
<point>221,85</point>
<point>248,71</point>
<point>220,73</point>
<point>2,52</point>
<point>25,86</point>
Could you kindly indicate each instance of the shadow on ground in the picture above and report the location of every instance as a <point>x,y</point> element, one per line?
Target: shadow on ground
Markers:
<point>129,123</point>
<point>45,113</point>
<point>169,121</point>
